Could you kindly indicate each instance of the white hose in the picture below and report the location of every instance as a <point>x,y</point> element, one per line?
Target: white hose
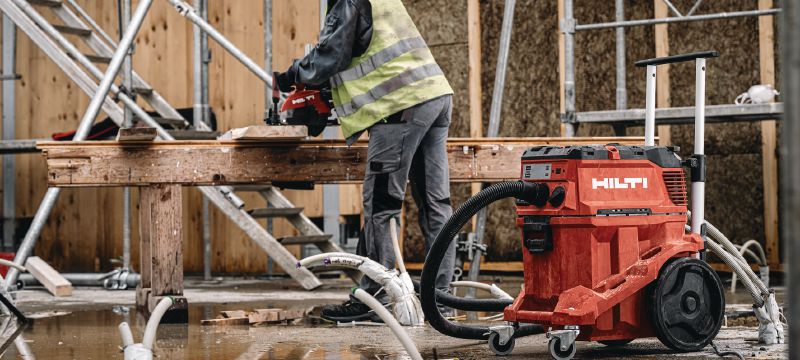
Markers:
<point>730,248</point>
<point>389,320</point>
<point>126,334</point>
<point>155,318</point>
<point>10,263</point>
<point>761,258</point>
<point>496,292</point>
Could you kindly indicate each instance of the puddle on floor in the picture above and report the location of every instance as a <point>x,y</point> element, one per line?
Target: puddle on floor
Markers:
<point>94,335</point>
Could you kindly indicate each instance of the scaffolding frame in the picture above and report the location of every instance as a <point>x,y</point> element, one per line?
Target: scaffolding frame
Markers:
<point>622,116</point>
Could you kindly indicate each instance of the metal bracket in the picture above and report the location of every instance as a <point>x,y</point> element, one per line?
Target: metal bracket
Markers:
<point>505,333</point>
<point>568,26</point>
<point>566,337</point>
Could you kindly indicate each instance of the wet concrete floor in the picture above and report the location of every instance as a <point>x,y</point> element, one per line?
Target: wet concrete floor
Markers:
<point>85,327</point>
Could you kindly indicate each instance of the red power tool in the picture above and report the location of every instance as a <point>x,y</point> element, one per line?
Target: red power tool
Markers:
<point>303,106</point>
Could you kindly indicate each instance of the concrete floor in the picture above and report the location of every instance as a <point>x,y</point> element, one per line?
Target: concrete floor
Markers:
<point>84,326</point>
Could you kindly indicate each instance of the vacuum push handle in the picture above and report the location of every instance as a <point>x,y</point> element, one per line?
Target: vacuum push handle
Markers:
<point>677,58</point>
<point>698,173</point>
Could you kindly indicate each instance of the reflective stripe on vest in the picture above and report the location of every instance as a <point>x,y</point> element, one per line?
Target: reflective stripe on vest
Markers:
<point>398,82</point>
<point>375,61</point>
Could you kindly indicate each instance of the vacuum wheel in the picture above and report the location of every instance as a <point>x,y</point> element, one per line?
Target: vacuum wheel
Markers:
<point>555,350</point>
<point>686,304</point>
<point>500,350</point>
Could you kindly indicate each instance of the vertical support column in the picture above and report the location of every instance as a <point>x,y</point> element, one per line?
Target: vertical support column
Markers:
<point>790,155</point>
<point>769,138</point>
<point>162,257</point>
<point>474,78</point>
<point>561,69</point>
<point>9,131</point>
<point>622,91</point>
<point>127,81</point>
<point>330,193</point>
<point>663,82</point>
<point>202,113</point>
<point>568,29</point>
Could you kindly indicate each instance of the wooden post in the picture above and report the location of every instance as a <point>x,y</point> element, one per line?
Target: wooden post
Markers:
<point>766,44</point>
<point>160,213</point>
<point>475,87</point>
<point>662,72</point>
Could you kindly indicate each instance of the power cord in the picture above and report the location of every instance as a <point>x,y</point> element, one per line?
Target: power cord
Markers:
<point>724,354</point>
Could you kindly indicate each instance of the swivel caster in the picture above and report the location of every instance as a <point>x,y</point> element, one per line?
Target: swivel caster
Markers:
<point>501,340</point>
<point>562,343</point>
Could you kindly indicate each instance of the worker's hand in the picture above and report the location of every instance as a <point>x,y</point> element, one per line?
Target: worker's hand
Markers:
<point>284,82</point>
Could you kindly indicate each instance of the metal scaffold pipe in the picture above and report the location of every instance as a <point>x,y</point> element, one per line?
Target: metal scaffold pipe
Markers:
<point>681,19</point>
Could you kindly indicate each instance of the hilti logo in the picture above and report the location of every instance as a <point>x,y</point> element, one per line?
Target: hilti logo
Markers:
<point>617,183</point>
<point>302,100</point>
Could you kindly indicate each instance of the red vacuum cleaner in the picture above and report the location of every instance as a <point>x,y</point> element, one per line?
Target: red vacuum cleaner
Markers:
<point>605,252</point>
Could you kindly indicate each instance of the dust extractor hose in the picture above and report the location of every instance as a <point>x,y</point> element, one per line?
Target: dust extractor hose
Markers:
<point>533,193</point>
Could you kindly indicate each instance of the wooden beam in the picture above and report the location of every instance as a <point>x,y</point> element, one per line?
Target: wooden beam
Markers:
<point>662,72</point>
<point>769,141</point>
<point>475,87</point>
<point>48,277</point>
<point>191,163</point>
<point>137,134</point>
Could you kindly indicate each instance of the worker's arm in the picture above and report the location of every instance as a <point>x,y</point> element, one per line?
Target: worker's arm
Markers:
<point>347,34</point>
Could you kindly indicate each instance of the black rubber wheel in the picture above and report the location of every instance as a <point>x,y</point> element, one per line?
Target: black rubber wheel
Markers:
<point>500,350</point>
<point>686,304</point>
<point>555,350</point>
<point>615,343</point>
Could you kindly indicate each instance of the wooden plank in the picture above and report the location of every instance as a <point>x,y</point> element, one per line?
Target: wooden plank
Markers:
<point>769,138</point>
<point>229,314</point>
<point>137,134</point>
<point>166,236</point>
<point>662,72</point>
<point>48,277</point>
<point>226,322</point>
<point>266,133</point>
<point>228,163</point>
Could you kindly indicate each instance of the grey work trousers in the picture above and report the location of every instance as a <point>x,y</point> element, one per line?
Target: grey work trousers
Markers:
<point>412,149</point>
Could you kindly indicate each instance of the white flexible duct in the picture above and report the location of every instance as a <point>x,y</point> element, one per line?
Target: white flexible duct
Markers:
<point>496,292</point>
<point>387,318</point>
<point>406,305</point>
<point>144,351</point>
<point>760,258</point>
<point>730,248</point>
<point>10,263</point>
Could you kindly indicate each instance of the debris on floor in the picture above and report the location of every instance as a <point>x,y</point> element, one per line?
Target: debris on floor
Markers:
<point>255,317</point>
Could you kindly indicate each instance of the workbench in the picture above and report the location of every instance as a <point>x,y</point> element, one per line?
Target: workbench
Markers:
<point>161,168</point>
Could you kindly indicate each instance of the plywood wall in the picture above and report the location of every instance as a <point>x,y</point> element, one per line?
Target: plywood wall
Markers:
<point>85,228</point>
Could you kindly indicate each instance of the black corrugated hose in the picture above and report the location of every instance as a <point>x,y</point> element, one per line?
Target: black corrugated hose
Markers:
<point>533,193</point>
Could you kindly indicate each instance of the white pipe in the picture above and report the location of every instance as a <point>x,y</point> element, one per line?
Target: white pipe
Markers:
<point>389,320</point>
<point>699,187</point>
<point>762,260</point>
<point>401,266</point>
<point>650,108</point>
<point>155,318</point>
<point>126,334</point>
<point>492,289</point>
<point>12,264</point>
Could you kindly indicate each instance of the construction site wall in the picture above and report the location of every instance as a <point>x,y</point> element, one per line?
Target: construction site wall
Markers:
<point>85,229</point>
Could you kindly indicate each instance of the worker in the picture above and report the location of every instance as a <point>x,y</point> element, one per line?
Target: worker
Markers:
<point>385,81</point>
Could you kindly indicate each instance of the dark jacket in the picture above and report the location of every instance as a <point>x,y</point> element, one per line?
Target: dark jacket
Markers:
<point>346,35</point>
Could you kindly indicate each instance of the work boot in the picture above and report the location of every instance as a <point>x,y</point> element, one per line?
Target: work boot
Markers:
<point>348,312</point>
